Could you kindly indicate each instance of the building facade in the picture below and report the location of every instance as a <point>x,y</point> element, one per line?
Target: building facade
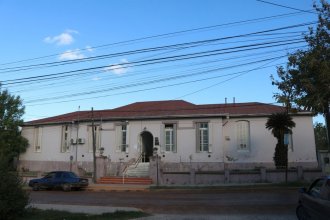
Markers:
<point>183,135</point>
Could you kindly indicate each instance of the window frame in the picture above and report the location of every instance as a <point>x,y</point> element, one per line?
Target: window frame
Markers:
<point>288,140</point>
<point>121,132</point>
<point>171,146</point>
<point>202,139</point>
<point>37,145</point>
<point>243,135</point>
<point>123,142</point>
<point>66,139</point>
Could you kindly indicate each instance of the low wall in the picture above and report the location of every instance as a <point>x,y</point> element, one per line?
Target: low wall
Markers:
<point>176,174</point>
<point>235,176</point>
<point>162,175</point>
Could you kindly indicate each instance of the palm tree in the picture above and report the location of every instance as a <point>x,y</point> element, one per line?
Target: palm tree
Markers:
<point>280,124</point>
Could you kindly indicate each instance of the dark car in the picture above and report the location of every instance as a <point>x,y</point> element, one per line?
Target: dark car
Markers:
<point>314,203</point>
<point>59,179</point>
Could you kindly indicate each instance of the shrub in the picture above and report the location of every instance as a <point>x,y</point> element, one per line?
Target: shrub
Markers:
<point>13,199</point>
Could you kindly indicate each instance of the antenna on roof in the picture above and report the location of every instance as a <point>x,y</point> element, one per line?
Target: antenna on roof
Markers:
<point>225,100</point>
<point>233,100</point>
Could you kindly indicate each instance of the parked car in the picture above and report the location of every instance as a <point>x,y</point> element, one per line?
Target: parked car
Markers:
<point>314,203</point>
<point>59,179</point>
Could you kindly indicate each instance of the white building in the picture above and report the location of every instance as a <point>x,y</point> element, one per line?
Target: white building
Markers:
<point>207,137</point>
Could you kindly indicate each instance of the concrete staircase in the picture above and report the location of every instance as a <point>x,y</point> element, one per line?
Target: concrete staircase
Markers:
<point>126,180</point>
<point>134,174</point>
<point>139,170</point>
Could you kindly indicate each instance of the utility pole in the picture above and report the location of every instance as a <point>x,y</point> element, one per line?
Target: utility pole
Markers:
<point>94,147</point>
<point>77,135</point>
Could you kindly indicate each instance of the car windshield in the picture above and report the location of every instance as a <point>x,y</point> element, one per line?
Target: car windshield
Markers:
<point>71,174</point>
<point>49,175</point>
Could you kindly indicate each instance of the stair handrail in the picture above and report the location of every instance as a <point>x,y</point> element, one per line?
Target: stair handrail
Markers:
<point>135,164</point>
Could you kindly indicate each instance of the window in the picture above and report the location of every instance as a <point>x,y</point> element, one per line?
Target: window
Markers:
<point>202,137</point>
<point>123,144</point>
<point>122,137</point>
<point>97,136</point>
<point>288,140</point>
<point>315,189</point>
<point>65,143</point>
<point>243,135</point>
<point>37,139</point>
<point>170,137</point>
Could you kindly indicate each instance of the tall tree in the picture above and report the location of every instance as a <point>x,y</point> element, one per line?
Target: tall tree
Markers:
<point>320,132</point>
<point>11,112</point>
<point>280,124</point>
<point>308,71</point>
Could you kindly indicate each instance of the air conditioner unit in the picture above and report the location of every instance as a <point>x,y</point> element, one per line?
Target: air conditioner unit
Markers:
<point>73,141</point>
<point>81,140</point>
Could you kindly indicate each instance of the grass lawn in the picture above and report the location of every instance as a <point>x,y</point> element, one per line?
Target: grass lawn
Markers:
<point>37,214</point>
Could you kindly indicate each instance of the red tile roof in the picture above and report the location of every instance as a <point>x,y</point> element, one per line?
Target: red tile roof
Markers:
<point>164,109</point>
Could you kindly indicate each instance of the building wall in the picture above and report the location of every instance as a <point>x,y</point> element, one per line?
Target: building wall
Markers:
<point>222,138</point>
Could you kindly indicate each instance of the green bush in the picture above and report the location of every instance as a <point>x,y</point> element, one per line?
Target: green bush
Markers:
<point>13,199</point>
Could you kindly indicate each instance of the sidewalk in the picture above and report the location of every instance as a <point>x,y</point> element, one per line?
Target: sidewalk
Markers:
<point>97,210</point>
<point>116,187</point>
<point>136,187</point>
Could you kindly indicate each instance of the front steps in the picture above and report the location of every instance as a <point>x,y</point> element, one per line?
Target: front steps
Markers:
<point>135,174</point>
<point>127,180</point>
<point>141,170</point>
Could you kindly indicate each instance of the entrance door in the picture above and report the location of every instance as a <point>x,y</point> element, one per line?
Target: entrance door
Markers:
<point>147,141</point>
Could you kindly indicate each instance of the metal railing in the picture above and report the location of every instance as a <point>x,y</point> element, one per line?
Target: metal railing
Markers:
<point>134,165</point>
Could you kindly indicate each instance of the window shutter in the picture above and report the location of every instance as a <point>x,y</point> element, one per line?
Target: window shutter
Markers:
<point>210,131</point>
<point>118,138</point>
<point>174,138</point>
<point>243,135</point>
<point>65,140</point>
<point>37,139</point>
<point>162,138</point>
<point>198,137</point>
<point>127,139</point>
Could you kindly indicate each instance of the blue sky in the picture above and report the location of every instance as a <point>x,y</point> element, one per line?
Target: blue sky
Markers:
<point>114,41</point>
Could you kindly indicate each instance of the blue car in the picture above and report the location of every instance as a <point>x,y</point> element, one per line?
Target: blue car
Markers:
<point>59,179</point>
<point>314,203</point>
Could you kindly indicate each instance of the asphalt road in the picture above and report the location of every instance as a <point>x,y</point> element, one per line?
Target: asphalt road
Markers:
<point>239,202</point>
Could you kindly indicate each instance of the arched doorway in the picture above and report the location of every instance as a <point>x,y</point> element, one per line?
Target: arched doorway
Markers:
<point>147,144</point>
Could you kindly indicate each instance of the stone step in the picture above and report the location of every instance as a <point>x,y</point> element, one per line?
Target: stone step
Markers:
<point>141,170</point>
<point>127,180</point>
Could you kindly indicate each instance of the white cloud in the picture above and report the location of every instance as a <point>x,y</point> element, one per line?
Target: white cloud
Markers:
<point>71,55</point>
<point>96,78</point>
<point>118,69</point>
<point>64,38</point>
<point>89,49</point>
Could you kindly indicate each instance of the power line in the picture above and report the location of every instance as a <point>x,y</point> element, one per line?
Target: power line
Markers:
<point>152,49</point>
<point>153,81</point>
<point>163,35</point>
<point>140,90</point>
<point>288,7</point>
<point>154,61</point>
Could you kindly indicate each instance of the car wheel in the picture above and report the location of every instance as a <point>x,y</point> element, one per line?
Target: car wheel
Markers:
<point>36,187</point>
<point>301,213</point>
<point>66,187</point>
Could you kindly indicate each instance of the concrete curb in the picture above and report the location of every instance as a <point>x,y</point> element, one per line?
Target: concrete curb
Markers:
<point>116,187</point>
<point>97,210</point>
